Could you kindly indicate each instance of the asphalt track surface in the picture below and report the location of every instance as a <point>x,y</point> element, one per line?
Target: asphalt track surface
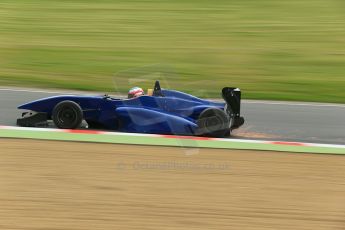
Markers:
<point>265,120</point>
<point>68,185</point>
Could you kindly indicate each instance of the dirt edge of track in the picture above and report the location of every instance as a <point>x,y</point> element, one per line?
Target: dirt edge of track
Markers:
<point>69,185</point>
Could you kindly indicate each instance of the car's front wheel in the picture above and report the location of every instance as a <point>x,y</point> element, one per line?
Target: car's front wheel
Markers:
<point>67,115</point>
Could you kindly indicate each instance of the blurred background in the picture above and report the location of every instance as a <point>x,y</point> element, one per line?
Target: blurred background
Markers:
<point>281,50</point>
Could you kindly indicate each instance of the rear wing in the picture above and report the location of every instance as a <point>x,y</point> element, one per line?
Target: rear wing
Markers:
<point>232,97</point>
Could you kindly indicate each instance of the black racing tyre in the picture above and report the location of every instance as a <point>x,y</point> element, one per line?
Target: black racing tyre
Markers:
<point>67,115</point>
<point>213,122</point>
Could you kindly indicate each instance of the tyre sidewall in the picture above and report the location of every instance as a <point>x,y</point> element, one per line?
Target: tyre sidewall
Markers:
<point>213,122</point>
<point>72,106</point>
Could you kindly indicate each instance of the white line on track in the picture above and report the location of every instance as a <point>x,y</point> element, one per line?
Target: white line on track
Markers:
<point>312,104</point>
<point>43,91</point>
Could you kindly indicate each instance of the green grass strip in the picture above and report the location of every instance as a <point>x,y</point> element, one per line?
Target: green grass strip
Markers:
<point>276,50</point>
<point>162,141</point>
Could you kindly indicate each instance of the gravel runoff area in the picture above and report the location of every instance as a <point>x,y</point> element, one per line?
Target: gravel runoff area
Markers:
<point>69,185</point>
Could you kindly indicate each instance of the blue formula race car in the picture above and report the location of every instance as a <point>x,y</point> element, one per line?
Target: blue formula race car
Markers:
<point>162,111</point>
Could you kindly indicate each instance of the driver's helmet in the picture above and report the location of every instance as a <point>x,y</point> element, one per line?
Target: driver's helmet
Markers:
<point>135,92</point>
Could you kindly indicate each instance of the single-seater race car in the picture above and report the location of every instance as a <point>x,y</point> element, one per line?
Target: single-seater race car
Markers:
<point>163,111</point>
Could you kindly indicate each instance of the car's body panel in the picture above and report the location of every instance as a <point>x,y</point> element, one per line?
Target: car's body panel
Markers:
<point>143,120</point>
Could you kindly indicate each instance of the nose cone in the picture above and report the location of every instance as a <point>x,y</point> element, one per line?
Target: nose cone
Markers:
<point>37,105</point>
<point>40,104</point>
<point>25,106</point>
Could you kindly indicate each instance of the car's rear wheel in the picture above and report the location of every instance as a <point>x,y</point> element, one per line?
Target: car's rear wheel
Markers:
<point>213,122</point>
<point>67,115</point>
